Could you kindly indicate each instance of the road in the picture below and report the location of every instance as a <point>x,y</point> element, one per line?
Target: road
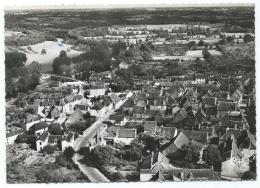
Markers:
<point>91,172</point>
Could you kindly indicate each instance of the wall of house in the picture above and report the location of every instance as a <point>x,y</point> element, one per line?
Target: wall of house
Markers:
<point>41,144</point>
<point>97,92</point>
<point>10,140</point>
<point>145,177</point>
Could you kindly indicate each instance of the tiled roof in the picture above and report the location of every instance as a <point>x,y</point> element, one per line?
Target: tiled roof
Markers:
<point>115,99</point>
<point>138,109</point>
<point>148,125</point>
<point>97,87</point>
<point>226,106</point>
<point>211,110</point>
<point>13,133</point>
<point>126,133</point>
<point>52,138</point>
<point>44,136</point>
<point>200,136</point>
<point>116,117</point>
<point>40,125</point>
<point>210,100</point>
<point>128,103</point>
<point>168,132</point>
<point>141,103</point>
<point>81,107</point>
<point>69,137</point>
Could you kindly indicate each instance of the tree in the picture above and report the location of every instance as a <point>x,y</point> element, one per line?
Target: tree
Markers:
<point>248,38</point>
<point>69,152</point>
<point>105,156</point>
<point>117,47</point>
<point>191,44</point>
<point>56,129</point>
<point>59,61</point>
<point>207,56</point>
<point>212,156</point>
<point>229,39</point>
<point>147,56</point>
<point>191,152</point>
<point>15,59</point>
<point>43,52</point>
<point>34,67</point>
<point>201,43</point>
<point>49,149</point>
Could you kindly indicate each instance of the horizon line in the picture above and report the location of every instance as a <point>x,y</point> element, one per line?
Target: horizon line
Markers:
<point>124,6</point>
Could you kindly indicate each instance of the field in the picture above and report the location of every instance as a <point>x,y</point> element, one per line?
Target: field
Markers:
<point>198,53</point>
<point>52,51</point>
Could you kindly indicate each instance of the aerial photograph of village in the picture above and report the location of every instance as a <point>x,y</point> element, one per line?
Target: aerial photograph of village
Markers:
<point>139,94</point>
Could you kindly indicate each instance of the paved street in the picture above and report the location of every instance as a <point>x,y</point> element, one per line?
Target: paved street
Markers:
<point>92,173</point>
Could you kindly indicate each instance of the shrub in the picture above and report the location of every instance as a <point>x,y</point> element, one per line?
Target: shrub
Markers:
<point>49,149</point>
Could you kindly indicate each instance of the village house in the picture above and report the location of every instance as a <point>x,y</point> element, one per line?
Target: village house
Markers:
<point>138,112</point>
<point>115,100</point>
<point>117,120</point>
<point>125,135</point>
<point>68,140</point>
<point>39,128</point>
<point>96,91</point>
<point>150,127</point>
<point>47,139</point>
<point>69,102</point>
<point>123,65</point>
<point>32,119</point>
<point>128,105</point>
<point>159,103</point>
<point>12,135</point>
<point>237,160</point>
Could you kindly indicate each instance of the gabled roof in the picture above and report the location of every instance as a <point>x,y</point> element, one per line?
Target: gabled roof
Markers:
<point>140,96</point>
<point>182,114</point>
<point>175,144</point>
<point>113,129</point>
<point>69,137</point>
<point>168,132</point>
<point>210,101</point>
<point>226,106</point>
<point>129,103</point>
<point>52,138</point>
<point>115,99</point>
<point>69,98</point>
<point>200,136</point>
<point>116,117</point>
<point>13,133</point>
<point>95,87</point>
<point>211,110</point>
<point>80,107</point>
<point>31,117</point>
<point>138,109</point>
<point>159,100</point>
<point>148,125</point>
<point>230,132</point>
<point>44,136</point>
<point>39,126</point>
<point>126,133</point>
